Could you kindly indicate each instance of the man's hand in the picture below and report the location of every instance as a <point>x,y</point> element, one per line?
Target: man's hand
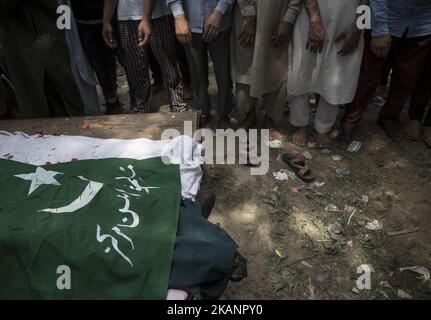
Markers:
<point>380,46</point>
<point>316,35</point>
<point>248,32</point>
<point>144,32</point>
<point>282,34</point>
<point>182,30</point>
<point>351,36</point>
<point>211,26</point>
<point>107,35</point>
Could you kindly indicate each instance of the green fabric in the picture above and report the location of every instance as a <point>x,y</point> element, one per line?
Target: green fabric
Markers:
<point>34,243</point>
<point>35,55</point>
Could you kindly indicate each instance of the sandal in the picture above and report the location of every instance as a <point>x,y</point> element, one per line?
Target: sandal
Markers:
<point>298,165</point>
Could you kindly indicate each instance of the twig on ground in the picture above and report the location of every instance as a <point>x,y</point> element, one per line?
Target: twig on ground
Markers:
<point>351,216</point>
<point>303,259</point>
<point>403,232</point>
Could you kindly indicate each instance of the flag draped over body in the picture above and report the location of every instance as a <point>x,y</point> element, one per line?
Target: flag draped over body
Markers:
<point>106,225</point>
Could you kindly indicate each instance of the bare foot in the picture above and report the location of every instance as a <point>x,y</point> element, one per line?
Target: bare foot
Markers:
<point>427,136</point>
<point>299,137</point>
<point>412,130</point>
<point>274,134</point>
<point>323,141</point>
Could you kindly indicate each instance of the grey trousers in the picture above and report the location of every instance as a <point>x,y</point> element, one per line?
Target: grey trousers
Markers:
<point>197,55</point>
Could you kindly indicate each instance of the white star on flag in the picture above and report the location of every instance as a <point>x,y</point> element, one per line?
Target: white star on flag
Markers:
<point>40,177</point>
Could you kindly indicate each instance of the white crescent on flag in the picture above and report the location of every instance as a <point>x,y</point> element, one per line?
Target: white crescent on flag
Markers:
<point>84,199</point>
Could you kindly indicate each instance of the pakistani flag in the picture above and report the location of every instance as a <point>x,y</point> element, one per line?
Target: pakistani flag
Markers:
<point>87,229</point>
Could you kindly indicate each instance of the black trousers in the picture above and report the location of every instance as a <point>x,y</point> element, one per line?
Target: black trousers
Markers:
<point>101,57</point>
<point>421,97</point>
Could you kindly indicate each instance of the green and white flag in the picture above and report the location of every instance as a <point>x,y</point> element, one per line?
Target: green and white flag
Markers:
<point>88,229</point>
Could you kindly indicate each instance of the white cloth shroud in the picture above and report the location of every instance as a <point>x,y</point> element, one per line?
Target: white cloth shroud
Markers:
<point>42,149</point>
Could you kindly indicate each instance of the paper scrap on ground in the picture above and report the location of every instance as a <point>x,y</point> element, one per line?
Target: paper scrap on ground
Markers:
<point>374,225</point>
<point>284,175</point>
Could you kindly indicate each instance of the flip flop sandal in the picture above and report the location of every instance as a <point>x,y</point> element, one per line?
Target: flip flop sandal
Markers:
<point>298,165</point>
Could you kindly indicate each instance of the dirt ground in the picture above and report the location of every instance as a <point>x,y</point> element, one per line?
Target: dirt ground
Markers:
<point>282,227</point>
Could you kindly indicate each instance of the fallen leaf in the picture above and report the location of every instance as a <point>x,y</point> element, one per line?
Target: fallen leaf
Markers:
<point>280,253</point>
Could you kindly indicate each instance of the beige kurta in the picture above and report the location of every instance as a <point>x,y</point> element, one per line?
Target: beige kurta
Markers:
<point>263,67</point>
<point>329,74</point>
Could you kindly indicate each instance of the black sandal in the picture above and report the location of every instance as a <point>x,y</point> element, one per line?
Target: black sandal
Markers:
<point>298,165</point>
